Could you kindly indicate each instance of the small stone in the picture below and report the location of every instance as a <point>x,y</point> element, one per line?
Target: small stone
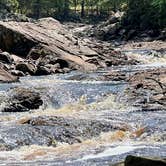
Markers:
<point>26,67</point>
<point>5,57</point>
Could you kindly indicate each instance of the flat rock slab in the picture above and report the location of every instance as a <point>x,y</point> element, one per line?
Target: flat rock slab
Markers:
<point>45,38</point>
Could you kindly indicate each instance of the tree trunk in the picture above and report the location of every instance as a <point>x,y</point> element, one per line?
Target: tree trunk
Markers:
<point>83,8</point>
<point>75,6</point>
<point>66,8</point>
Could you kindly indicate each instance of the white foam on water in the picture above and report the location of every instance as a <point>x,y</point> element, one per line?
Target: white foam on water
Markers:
<point>112,152</point>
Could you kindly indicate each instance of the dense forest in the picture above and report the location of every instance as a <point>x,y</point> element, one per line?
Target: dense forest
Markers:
<point>141,14</point>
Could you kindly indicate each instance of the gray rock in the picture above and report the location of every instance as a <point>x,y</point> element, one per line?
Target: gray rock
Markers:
<point>5,57</point>
<point>21,100</point>
<point>22,135</point>
<point>26,67</point>
<point>50,130</point>
<point>42,70</point>
<point>79,127</point>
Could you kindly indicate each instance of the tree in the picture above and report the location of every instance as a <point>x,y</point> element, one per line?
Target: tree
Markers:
<point>146,14</point>
<point>82,8</point>
<point>9,5</point>
<point>140,14</point>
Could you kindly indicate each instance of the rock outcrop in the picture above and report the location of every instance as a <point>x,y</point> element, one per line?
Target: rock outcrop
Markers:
<point>46,42</point>
<point>47,47</point>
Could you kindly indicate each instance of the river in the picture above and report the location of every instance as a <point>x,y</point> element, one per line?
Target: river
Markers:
<point>84,96</point>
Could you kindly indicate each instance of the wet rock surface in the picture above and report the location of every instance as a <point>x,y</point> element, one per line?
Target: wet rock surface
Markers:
<point>22,99</point>
<point>51,130</point>
<point>114,76</point>
<point>89,134</point>
<point>146,88</point>
<point>16,136</point>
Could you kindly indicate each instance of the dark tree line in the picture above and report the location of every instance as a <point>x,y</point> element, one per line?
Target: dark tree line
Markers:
<point>146,14</point>
<point>139,13</point>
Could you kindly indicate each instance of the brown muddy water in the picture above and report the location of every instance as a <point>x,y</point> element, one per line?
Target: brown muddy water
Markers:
<point>138,133</point>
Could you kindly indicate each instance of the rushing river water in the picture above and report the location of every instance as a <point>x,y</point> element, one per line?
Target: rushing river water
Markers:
<point>88,98</point>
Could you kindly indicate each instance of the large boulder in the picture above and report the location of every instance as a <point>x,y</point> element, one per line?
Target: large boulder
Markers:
<point>142,161</point>
<point>44,41</point>
<point>21,99</point>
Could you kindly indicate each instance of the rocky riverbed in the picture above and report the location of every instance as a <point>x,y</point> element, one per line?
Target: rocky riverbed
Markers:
<point>102,102</point>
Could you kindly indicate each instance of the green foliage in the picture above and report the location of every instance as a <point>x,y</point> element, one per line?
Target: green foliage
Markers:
<point>10,5</point>
<point>160,15</point>
<point>61,7</point>
<point>146,14</point>
<point>141,14</point>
